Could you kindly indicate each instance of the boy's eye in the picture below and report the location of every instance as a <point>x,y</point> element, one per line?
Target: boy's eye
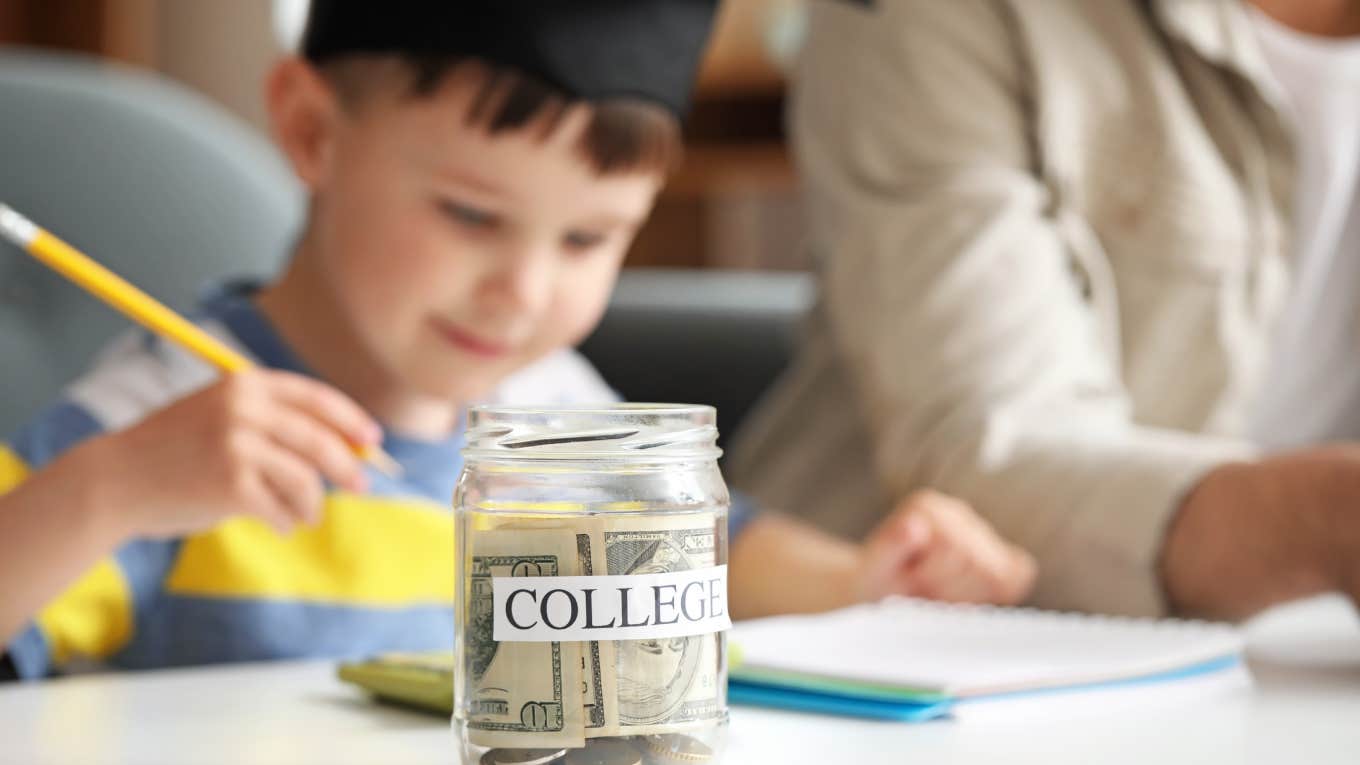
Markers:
<point>467,216</point>
<point>580,241</point>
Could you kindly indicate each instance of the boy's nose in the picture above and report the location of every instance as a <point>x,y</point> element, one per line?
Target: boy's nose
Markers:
<point>522,282</point>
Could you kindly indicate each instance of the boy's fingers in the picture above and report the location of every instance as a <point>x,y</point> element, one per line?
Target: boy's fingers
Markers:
<point>893,548</point>
<point>320,446</point>
<point>268,506</point>
<point>1004,572</point>
<point>906,534</point>
<point>918,533</point>
<point>977,569</point>
<point>950,576</point>
<point>327,405</point>
<point>958,526</point>
<point>963,559</point>
<point>936,546</point>
<point>1022,572</point>
<point>295,484</point>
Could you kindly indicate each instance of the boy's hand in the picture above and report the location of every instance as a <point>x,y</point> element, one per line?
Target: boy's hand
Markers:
<point>255,443</point>
<point>935,546</point>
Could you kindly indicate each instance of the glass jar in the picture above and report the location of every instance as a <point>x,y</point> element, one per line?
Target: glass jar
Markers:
<point>592,587</point>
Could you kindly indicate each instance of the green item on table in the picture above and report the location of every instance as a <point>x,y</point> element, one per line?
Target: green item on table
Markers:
<point>419,680</point>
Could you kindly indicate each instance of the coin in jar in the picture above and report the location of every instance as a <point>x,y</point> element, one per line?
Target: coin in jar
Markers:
<point>522,756</point>
<point>605,751</point>
<point>676,748</point>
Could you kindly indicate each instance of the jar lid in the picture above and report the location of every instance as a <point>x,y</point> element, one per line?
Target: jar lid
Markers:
<point>623,431</point>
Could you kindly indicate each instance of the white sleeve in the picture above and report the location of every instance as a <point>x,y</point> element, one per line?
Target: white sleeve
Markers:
<point>564,377</point>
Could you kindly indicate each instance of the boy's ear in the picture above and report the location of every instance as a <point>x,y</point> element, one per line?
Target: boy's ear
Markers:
<point>304,115</point>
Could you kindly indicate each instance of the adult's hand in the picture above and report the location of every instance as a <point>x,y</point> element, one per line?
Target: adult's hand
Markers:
<point>1250,535</point>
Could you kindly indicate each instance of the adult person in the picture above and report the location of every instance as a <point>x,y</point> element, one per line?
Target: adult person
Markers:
<point>1092,267</point>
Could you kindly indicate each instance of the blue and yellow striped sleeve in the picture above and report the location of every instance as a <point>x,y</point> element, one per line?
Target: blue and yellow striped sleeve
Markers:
<point>93,618</point>
<point>742,512</point>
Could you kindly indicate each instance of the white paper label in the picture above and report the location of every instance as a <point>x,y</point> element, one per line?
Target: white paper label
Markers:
<point>634,607</point>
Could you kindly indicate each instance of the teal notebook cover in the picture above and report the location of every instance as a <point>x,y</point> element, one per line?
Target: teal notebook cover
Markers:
<point>761,695</point>
<point>879,707</point>
<point>834,687</point>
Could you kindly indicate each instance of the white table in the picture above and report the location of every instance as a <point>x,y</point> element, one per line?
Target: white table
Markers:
<point>1305,709</point>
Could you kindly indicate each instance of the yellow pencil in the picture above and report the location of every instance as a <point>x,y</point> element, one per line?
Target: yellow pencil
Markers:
<point>139,306</point>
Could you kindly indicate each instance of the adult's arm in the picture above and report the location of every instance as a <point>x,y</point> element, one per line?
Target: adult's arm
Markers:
<point>958,292</point>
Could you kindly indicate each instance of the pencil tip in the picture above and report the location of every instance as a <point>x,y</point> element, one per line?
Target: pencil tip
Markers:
<point>384,462</point>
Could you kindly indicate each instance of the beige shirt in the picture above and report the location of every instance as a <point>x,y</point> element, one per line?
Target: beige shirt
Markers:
<point>1054,243</point>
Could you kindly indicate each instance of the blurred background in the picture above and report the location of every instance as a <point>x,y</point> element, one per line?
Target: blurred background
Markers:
<point>171,192</point>
<point>732,205</point>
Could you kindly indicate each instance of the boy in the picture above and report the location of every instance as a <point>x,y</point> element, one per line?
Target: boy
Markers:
<point>476,173</point>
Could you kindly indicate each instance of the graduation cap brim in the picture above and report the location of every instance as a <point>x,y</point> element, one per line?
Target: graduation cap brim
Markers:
<point>592,50</point>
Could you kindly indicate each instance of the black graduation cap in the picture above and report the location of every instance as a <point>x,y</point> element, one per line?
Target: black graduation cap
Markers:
<point>589,49</point>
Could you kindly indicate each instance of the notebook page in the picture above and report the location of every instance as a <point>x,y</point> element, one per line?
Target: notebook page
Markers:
<point>974,650</point>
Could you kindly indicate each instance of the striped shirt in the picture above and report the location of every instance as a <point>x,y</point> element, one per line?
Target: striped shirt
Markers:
<point>375,575</point>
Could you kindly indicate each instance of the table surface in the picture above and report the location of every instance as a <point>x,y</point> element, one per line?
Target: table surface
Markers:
<point>1305,708</point>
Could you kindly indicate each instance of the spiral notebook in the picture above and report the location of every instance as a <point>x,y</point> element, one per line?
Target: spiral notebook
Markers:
<point>910,659</point>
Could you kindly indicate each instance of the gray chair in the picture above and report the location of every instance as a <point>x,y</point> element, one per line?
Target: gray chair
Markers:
<point>148,178</point>
<point>700,337</point>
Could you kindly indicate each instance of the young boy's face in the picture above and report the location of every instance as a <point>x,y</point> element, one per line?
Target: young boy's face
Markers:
<point>457,257</point>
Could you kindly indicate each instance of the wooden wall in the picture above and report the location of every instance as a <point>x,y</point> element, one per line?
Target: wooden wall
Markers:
<point>68,24</point>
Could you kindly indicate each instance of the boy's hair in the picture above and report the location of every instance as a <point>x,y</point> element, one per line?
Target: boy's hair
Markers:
<point>624,135</point>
